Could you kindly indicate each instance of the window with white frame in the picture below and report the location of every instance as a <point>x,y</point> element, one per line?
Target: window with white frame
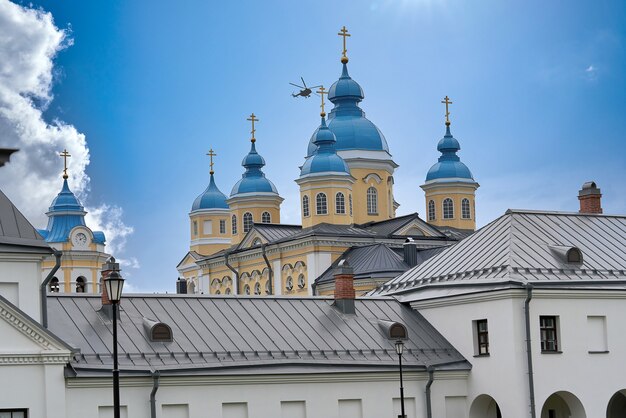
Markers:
<point>266,217</point>
<point>289,283</point>
<point>321,205</point>
<point>13,413</point>
<point>482,337</point>
<point>372,201</point>
<point>465,209</point>
<point>54,285</point>
<point>234,224</point>
<point>81,285</point>
<point>257,288</point>
<point>301,281</point>
<point>247,221</point>
<point>246,289</point>
<point>431,210</point>
<point>305,206</point>
<point>222,226</point>
<point>195,227</point>
<point>340,203</point>
<point>350,202</point>
<point>448,208</point>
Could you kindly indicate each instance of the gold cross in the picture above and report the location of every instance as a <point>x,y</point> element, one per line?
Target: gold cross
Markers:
<point>344,32</point>
<point>447,101</point>
<point>65,154</point>
<point>252,119</point>
<point>211,154</point>
<point>322,92</point>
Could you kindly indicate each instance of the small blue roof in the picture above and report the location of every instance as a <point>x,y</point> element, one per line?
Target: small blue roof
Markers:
<point>449,164</point>
<point>211,198</point>
<point>347,120</point>
<point>324,158</point>
<point>253,179</point>
<point>64,214</point>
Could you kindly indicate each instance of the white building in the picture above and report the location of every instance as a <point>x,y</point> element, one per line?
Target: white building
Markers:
<point>554,280</point>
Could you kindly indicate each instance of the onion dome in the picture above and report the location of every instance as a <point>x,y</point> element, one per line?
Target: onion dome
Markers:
<point>253,179</point>
<point>449,164</point>
<point>211,198</point>
<point>324,159</point>
<point>347,120</point>
<point>64,214</point>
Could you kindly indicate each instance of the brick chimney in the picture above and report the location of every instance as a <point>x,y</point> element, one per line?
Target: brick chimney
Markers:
<point>590,198</point>
<point>344,287</point>
<point>107,268</point>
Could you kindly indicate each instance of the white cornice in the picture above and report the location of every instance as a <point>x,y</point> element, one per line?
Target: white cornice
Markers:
<point>34,358</point>
<point>261,379</point>
<point>208,241</point>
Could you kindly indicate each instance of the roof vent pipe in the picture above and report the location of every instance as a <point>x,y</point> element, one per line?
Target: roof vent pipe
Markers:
<point>344,287</point>
<point>590,198</point>
<point>410,252</point>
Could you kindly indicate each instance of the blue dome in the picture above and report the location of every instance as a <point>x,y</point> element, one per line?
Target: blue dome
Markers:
<point>347,120</point>
<point>211,198</point>
<point>253,179</point>
<point>324,158</point>
<point>449,165</point>
<point>64,214</point>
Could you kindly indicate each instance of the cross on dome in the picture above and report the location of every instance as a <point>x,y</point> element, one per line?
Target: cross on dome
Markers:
<point>447,102</point>
<point>321,91</point>
<point>344,33</point>
<point>211,154</point>
<point>65,155</point>
<point>253,119</point>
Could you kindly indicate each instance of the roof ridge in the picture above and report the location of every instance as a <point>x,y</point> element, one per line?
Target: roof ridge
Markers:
<point>560,213</point>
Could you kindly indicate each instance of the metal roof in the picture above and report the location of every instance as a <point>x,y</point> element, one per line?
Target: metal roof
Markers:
<point>275,232</point>
<point>16,233</point>
<point>520,246</point>
<point>212,333</point>
<point>390,227</point>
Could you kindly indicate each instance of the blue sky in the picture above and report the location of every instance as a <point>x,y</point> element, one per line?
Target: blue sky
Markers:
<point>539,92</point>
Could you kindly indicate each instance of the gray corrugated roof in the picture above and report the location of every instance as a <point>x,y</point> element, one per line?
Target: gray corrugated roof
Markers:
<point>220,333</point>
<point>275,232</point>
<point>368,260</point>
<point>390,227</point>
<point>516,246</point>
<point>16,231</point>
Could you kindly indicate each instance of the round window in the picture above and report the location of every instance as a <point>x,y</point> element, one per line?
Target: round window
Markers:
<point>301,281</point>
<point>289,284</point>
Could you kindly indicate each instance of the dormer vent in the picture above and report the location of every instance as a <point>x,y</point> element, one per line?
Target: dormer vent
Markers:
<point>157,331</point>
<point>393,330</point>
<point>567,254</point>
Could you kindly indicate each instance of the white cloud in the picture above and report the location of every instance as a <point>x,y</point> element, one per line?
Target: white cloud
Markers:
<point>29,42</point>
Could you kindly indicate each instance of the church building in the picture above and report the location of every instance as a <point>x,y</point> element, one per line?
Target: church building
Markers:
<point>82,249</point>
<point>239,246</point>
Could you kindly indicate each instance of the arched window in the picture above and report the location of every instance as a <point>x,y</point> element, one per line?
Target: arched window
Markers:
<point>80,285</point>
<point>247,222</point>
<point>234,224</point>
<point>227,291</point>
<point>301,281</point>
<point>267,287</point>
<point>266,218</point>
<point>321,207</point>
<point>350,201</point>
<point>257,241</point>
<point>465,209</point>
<point>246,289</point>
<point>448,208</point>
<point>431,210</point>
<point>372,201</point>
<point>289,283</point>
<point>217,292</point>
<point>340,203</point>
<point>54,285</point>
<point>305,206</point>
<point>257,288</point>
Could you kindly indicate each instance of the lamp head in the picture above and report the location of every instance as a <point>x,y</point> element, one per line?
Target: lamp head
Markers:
<point>114,284</point>
<point>399,347</point>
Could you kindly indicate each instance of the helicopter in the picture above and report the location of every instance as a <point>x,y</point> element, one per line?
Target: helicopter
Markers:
<point>304,90</point>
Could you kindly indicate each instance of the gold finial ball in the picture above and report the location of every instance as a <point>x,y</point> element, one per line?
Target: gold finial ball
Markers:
<point>65,176</point>
<point>253,140</point>
<point>323,114</point>
<point>211,172</point>
<point>344,60</point>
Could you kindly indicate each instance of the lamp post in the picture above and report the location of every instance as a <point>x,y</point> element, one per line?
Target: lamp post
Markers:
<point>114,284</point>
<point>399,350</point>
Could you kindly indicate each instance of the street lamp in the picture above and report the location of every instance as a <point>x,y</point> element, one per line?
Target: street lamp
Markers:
<point>399,350</point>
<point>114,284</point>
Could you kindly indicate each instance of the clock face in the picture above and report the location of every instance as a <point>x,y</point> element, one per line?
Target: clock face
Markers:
<point>80,239</point>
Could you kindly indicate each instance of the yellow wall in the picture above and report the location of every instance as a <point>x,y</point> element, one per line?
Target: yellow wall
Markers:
<point>359,194</point>
<point>456,192</point>
<point>311,188</point>
<point>256,207</point>
<point>197,231</point>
